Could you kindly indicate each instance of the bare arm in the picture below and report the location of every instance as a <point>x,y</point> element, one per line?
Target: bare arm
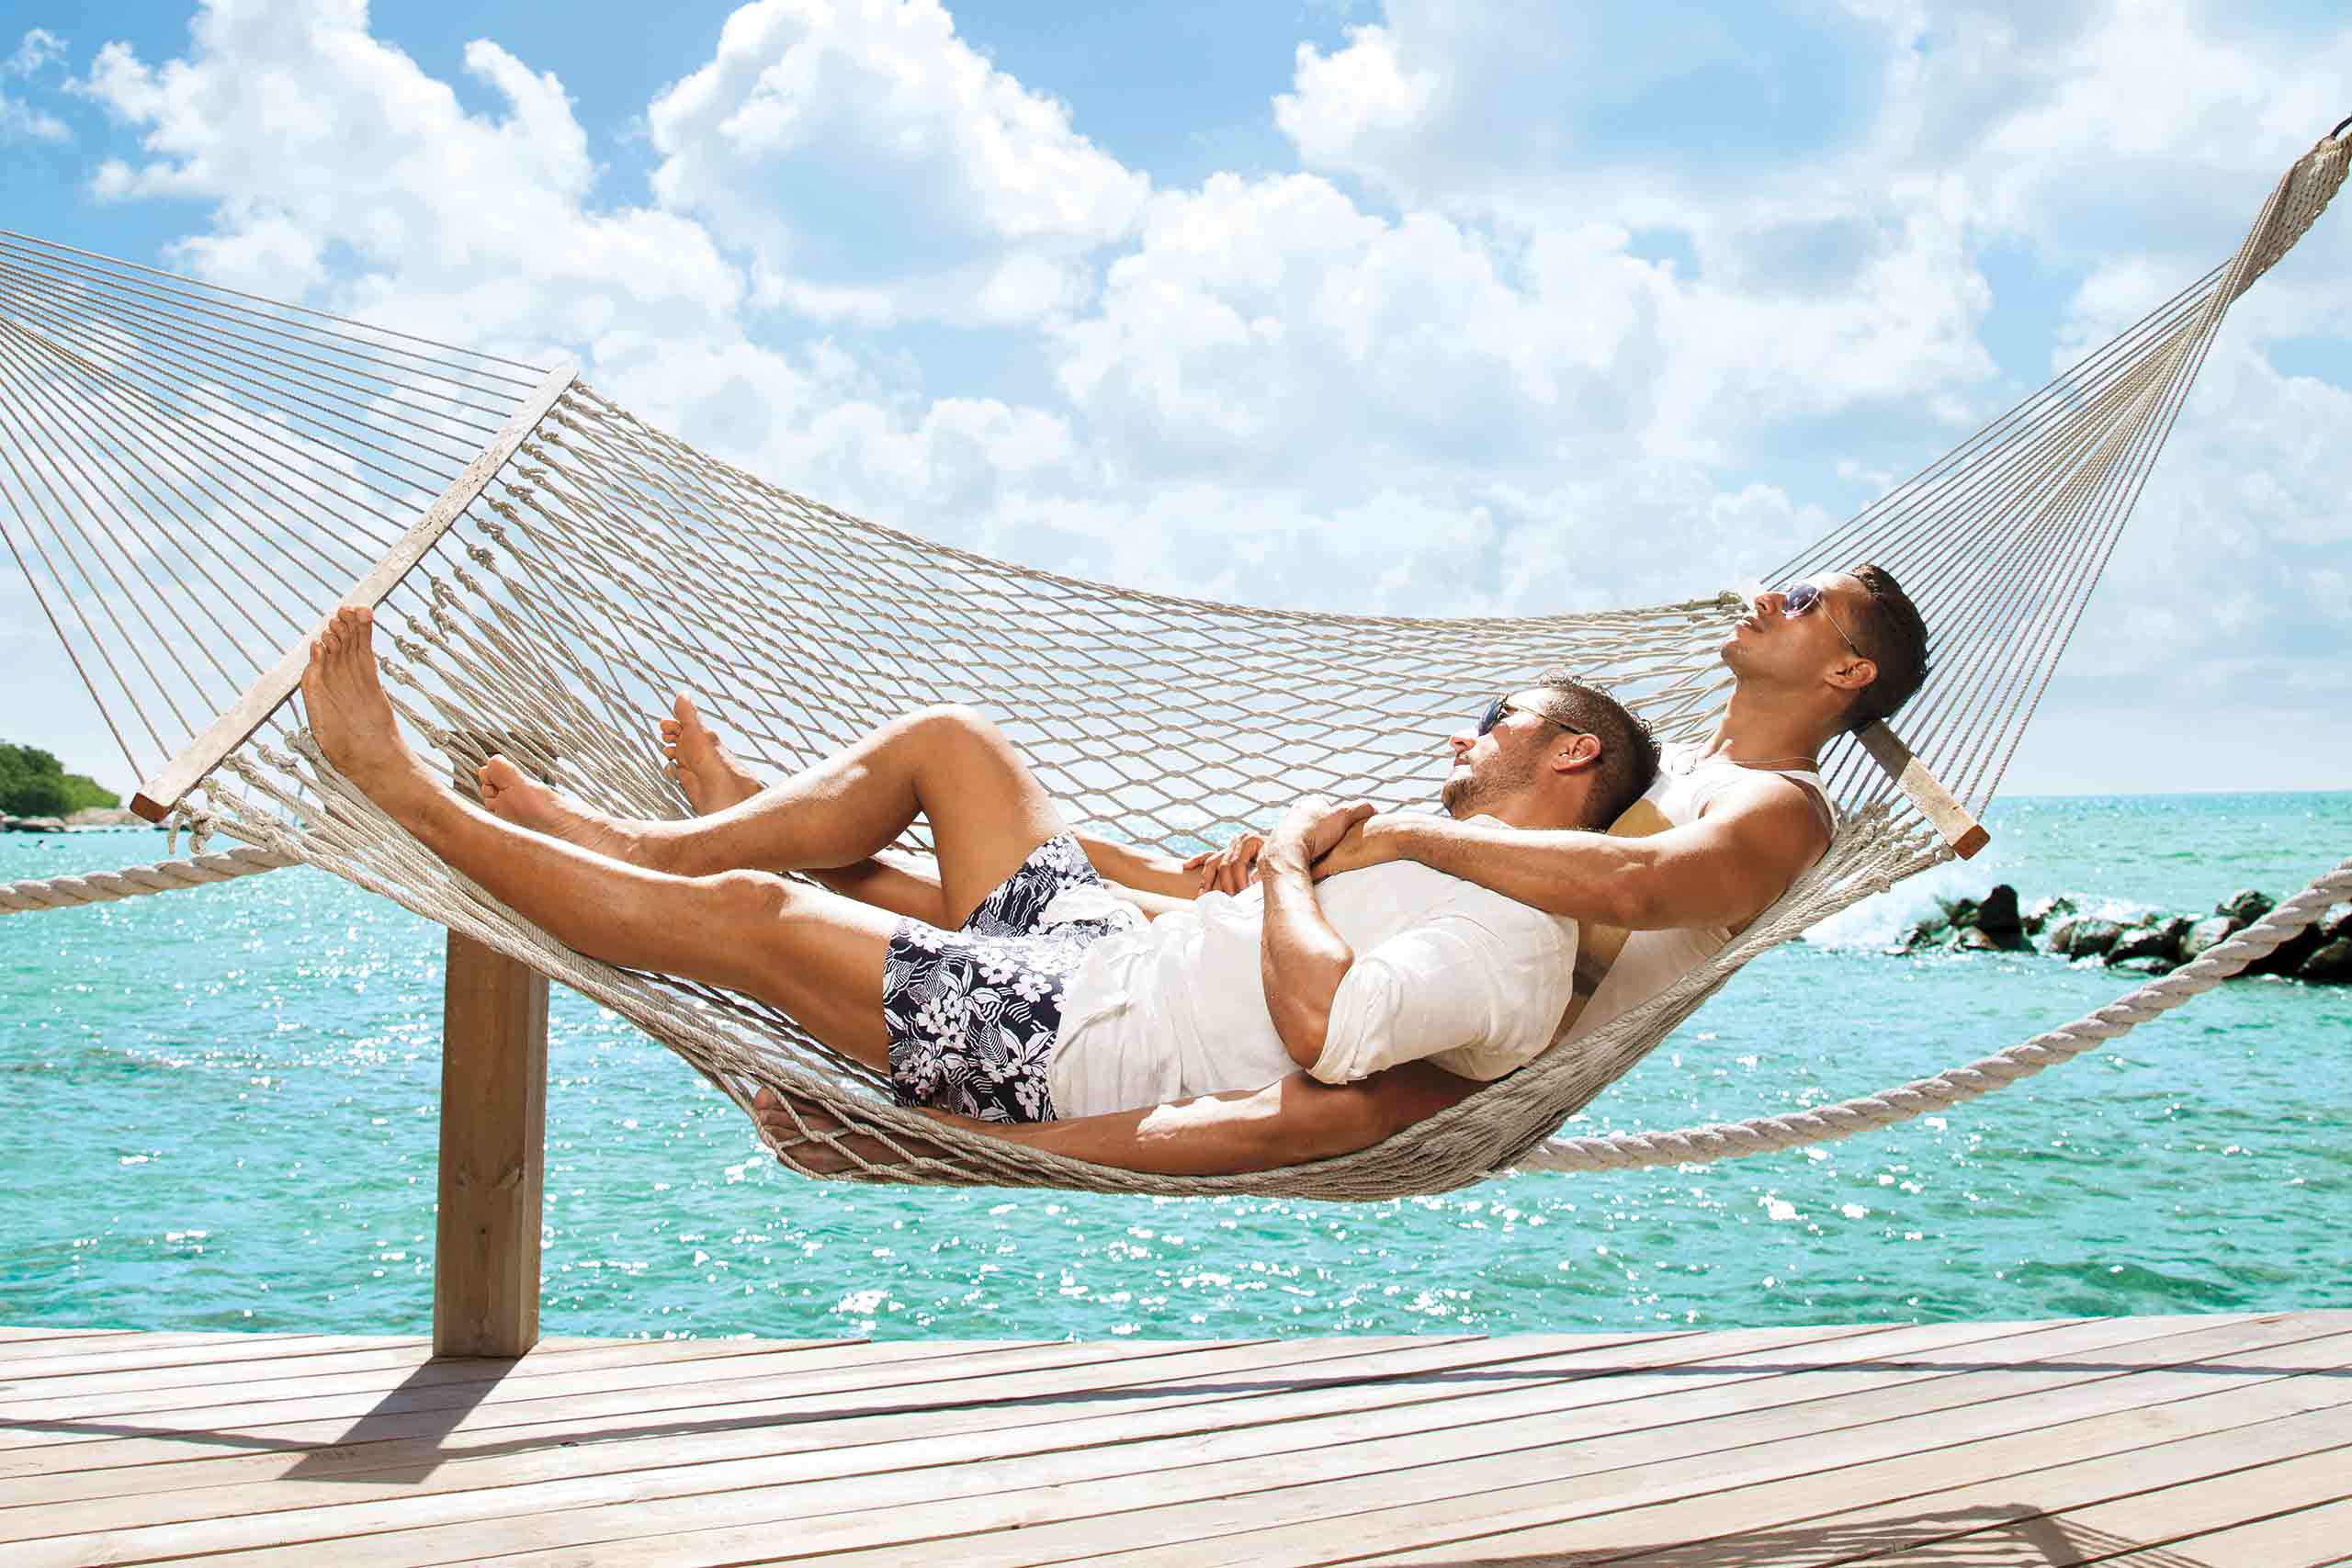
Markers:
<point>1724,869</point>
<point>1290,1121</point>
<point>1301,958</point>
<point>1142,870</point>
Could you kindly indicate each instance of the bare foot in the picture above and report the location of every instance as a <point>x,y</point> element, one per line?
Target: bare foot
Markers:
<point>512,794</point>
<point>705,770</point>
<point>352,717</point>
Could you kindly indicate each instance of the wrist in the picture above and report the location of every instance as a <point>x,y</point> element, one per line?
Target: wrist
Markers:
<point>1282,856</point>
<point>1392,836</point>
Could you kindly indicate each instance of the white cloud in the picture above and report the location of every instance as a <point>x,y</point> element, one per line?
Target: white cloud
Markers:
<point>878,168</point>
<point>476,227</point>
<point>20,121</point>
<point>1473,356</point>
<point>37,48</point>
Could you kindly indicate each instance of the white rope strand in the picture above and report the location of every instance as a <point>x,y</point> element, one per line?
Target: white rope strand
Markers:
<point>1767,1134</point>
<point>136,881</point>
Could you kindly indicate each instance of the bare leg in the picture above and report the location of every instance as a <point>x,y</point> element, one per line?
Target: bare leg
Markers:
<point>947,764</point>
<point>817,957</point>
<point>714,778</point>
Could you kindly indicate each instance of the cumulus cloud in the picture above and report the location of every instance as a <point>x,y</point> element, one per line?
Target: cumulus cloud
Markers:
<point>20,121</point>
<point>480,228</point>
<point>1550,315</point>
<point>877,168</point>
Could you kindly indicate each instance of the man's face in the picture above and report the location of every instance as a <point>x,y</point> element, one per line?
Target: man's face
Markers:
<point>1503,761</point>
<point>1767,640</point>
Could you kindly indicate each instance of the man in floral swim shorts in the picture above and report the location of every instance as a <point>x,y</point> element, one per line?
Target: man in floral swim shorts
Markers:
<point>1012,983</point>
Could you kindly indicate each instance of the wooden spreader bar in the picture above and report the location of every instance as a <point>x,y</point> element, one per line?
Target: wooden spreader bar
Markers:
<point>1960,830</point>
<point>202,755</point>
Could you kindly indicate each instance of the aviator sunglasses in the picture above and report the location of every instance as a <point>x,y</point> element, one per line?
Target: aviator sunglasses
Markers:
<point>1803,598</point>
<point>1501,705</point>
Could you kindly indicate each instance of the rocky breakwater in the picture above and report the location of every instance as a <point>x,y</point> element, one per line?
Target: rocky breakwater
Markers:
<point>2148,944</point>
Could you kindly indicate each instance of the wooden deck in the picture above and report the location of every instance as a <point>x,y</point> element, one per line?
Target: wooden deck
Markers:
<point>2221,1441</point>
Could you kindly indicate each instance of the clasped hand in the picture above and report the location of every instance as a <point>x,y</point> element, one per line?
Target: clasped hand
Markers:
<point>1329,836</point>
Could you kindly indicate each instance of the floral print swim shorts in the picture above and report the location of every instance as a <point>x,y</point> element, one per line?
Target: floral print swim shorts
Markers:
<point>974,1012</point>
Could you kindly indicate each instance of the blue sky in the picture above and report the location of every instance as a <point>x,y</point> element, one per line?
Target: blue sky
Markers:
<point>1429,307</point>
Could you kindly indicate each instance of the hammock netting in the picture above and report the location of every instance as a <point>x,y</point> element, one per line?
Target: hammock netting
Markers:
<point>191,477</point>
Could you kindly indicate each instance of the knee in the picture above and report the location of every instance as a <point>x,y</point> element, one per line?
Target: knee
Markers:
<point>746,897</point>
<point>952,719</point>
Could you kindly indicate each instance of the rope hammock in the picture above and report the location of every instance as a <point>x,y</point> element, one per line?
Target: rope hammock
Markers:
<point>191,477</point>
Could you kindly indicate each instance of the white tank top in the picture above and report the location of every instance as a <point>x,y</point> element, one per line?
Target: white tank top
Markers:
<point>1651,961</point>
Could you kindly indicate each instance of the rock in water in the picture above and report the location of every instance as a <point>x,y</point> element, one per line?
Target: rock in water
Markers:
<point>2288,957</point>
<point>2145,941</point>
<point>2246,906</point>
<point>2211,931</point>
<point>2046,910</point>
<point>2336,924</point>
<point>1998,916</point>
<point>2331,961</point>
<point>2088,937</point>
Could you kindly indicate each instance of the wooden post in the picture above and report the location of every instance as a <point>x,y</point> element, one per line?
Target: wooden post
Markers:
<point>494,1154</point>
<point>493,1147</point>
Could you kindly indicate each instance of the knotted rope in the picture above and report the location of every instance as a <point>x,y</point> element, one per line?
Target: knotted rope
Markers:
<point>1766,1134</point>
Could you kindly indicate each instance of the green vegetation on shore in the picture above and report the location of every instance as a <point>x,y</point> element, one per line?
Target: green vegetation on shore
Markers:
<point>34,783</point>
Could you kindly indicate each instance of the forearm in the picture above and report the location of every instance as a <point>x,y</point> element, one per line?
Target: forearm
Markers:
<point>1591,876</point>
<point>1216,1135</point>
<point>1146,871</point>
<point>1289,1121</point>
<point>1302,959</point>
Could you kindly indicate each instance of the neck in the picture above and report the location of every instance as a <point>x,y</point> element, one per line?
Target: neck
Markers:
<point>1528,811</point>
<point>1757,730</point>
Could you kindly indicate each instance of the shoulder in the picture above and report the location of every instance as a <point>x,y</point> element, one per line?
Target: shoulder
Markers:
<point>1765,794</point>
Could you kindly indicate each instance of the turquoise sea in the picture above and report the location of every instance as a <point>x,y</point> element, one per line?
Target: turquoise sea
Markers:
<point>220,1112</point>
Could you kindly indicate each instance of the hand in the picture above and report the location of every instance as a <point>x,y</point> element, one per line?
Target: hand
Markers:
<point>813,1156</point>
<point>1231,869</point>
<point>1313,824</point>
<point>1371,842</point>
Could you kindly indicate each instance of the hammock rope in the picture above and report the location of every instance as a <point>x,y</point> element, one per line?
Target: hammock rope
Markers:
<point>176,438</point>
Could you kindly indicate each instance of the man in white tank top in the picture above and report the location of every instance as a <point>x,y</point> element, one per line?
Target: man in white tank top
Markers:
<point>1747,813</point>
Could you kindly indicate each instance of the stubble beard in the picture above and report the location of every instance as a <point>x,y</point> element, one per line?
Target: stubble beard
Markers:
<point>1482,787</point>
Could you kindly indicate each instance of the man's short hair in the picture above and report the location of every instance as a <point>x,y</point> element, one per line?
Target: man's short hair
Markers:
<point>1628,749</point>
<point>1892,632</point>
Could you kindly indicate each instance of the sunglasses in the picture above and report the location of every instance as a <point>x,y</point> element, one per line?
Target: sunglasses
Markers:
<point>1501,705</point>
<point>1803,598</point>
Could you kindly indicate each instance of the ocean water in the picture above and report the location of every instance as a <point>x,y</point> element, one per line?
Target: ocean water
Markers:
<point>220,1112</point>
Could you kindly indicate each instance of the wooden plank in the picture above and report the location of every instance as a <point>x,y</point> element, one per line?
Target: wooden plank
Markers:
<point>2316,1537</point>
<point>320,1377</point>
<point>833,1511</point>
<point>1272,1422</point>
<point>917,1421</point>
<point>1257,1512</point>
<point>1855,1483</point>
<point>471,1385</point>
<point>2080,1508</point>
<point>1948,816</point>
<point>821,1433</point>
<point>156,798</point>
<point>737,1391</point>
<point>75,1357</point>
<point>35,1336</point>
<point>2166,1513</point>
<point>493,1153</point>
<point>173,1369</point>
